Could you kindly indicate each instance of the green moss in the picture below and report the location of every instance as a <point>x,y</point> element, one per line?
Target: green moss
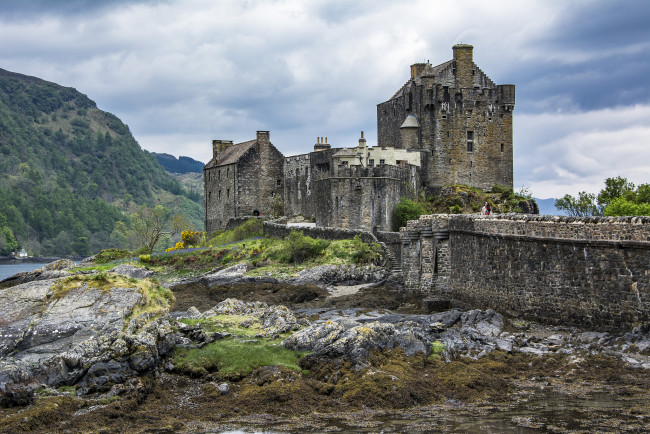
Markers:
<point>230,356</point>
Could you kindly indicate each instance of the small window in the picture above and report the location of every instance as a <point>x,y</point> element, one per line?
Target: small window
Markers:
<point>470,141</point>
<point>502,148</point>
<point>278,183</point>
<point>219,174</point>
<point>228,193</point>
<point>371,162</point>
<point>382,162</point>
<point>469,113</point>
<point>209,196</point>
<point>444,116</point>
<point>228,173</point>
<point>219,197</point>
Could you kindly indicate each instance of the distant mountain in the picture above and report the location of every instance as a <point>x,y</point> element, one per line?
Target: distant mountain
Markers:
<point>547,207</point>
<point>69,171</point>
<point>180,164</point>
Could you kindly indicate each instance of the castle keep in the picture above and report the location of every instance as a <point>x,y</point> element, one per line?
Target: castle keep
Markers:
<point>449,124</point>
<point>458,117</point>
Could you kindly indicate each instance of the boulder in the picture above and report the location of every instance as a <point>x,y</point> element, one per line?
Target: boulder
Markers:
<point>353,341</point>
<point>131,271</point>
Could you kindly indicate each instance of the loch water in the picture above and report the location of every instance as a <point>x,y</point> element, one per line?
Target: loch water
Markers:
<point>8,270</point>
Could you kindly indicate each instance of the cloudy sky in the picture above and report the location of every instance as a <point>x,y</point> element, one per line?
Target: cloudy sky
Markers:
<point>183,72</point>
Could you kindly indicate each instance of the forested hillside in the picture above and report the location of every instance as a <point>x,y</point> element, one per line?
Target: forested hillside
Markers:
<point>180,164</point>
<point>69,171</point>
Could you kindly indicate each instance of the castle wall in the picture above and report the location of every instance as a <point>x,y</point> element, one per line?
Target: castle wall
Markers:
<point>260,180</point>
<point>363,197</point>
<point>590,272</point>
<point>298,186</point>
<point>220,195</point>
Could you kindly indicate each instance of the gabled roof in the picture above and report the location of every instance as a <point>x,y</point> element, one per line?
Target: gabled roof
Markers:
<point>232,154</point>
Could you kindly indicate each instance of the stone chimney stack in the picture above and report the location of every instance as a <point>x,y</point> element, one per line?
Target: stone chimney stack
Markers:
<point>464,64</point>
<point>263,138</point>
<point>416,69</point>
<point>321,144</point>
<point>218,146</point>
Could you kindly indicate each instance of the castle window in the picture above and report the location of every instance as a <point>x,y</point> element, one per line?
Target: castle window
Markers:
<point>219,174</point>
<point>219,197</point>
<point>502,148</point>
<point>382,162</point>
<point>228,193</point>
<point>228,173</point>
<point>470,141</point>
<point>278,183</point>
<point>209,196</point>
<point>469,113</point>
<point>371,162</point>
<point>297,171</point>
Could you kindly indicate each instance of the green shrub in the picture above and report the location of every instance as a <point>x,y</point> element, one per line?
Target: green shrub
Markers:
<point>299,248</point>
<point>404,211</point>
<point>110,255</point>
<point>145,258</point>
<point>365,253</point>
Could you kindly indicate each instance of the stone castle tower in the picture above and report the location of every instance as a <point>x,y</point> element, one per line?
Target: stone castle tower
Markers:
<point>458,117</point>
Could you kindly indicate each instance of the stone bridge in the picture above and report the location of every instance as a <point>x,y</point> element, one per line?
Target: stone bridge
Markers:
<point>587,272</point>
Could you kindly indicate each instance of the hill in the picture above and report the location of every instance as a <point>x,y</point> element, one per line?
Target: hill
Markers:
<point>178,165</point>
<point>69,171</point>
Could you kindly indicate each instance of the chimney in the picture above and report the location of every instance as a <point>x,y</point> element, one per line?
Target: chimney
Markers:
<point>218,146</point>
<point>263,137</point>
<point>321,144</point>
<point>362,141</point>
<point>416,69</point>
<point>464,63</point>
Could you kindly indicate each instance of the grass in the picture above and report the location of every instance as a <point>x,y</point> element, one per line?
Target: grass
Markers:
<point>238,354</point>
<point>282,258</point>
<point>231,356</point>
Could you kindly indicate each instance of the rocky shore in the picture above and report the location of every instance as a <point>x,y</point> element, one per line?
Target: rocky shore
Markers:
<point>124,345</point>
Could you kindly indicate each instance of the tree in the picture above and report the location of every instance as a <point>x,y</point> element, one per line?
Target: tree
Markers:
<point>148,225</point>
<point>621,206</point>
<point>582,206</point>
<point>8,243</point>
<point>614,188</point>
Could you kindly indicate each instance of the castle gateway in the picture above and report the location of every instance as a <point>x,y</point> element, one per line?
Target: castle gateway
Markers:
<point>448,124</point>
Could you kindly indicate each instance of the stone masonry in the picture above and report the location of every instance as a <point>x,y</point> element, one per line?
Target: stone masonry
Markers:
<point>460,119</point>
<point>560,270</point>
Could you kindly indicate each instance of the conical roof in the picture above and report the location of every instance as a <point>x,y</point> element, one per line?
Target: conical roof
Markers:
<point>411,121</point>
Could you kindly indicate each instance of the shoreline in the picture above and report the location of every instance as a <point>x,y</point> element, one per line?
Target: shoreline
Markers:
<point>10,260</point>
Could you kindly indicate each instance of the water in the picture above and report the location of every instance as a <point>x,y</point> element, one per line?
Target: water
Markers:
<point>8,270</point>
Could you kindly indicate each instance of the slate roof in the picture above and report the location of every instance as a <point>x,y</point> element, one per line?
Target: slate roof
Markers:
<point>233,153</point>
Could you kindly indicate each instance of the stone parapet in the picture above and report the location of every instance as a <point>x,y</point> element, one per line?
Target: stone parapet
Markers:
<point>590,272</point>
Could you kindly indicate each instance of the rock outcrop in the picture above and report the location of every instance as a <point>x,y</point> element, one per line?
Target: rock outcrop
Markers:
<point>55,333</point>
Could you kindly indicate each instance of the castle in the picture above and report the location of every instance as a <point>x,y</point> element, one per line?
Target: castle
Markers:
<point>448,124</point>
